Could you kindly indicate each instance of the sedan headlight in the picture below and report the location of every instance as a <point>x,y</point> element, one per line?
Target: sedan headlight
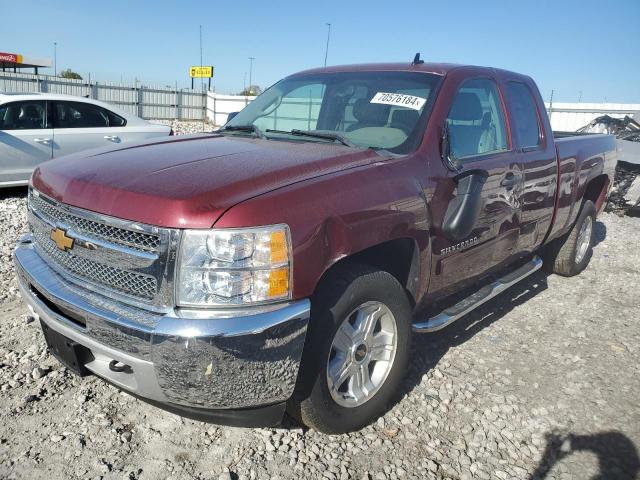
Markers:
<point>228,267</point>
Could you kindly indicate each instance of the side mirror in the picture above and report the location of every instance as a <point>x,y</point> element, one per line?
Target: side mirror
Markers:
<point>448,157</point>
<point>463,211</point>
<point>231,115</point>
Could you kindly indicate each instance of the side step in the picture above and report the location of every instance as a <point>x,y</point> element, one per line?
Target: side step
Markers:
<point>476,299</point>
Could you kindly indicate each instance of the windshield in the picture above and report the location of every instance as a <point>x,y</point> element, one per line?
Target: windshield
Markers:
<point>385,110</point>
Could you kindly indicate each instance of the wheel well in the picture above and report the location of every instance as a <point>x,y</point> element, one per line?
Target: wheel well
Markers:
<point>596,190</point>
<point>398,257</point>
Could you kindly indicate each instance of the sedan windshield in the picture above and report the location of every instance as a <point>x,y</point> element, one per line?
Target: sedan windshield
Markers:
<point>382,110</point>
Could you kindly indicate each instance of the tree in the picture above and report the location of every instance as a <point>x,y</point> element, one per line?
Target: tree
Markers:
<point>251,91</point>
<point>68,73</point>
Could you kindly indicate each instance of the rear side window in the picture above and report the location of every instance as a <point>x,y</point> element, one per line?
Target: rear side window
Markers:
<point>84,115</point>
<point>525,114</point>
<point>476,120</point>
<point>27,115</point>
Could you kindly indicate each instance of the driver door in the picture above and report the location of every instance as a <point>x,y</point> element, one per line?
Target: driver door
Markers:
<point>478,142</point>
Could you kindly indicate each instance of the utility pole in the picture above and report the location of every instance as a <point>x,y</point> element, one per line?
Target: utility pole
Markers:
<point>251,59</point>
<point>201,79</point>
<point>579,96</point>
<point>55,59</point>
<point>326,50</point>
<point>204,109</point>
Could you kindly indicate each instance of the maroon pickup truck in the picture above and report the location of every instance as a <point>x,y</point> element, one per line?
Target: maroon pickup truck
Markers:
<point>284,262</point>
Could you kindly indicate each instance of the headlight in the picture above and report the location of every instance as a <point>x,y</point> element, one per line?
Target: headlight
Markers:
<point>227,267</point>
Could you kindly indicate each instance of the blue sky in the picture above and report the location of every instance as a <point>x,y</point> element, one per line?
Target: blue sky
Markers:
<point>570,46</point>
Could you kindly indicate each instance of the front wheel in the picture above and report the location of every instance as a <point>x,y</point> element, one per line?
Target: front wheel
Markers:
<point>356,351</point>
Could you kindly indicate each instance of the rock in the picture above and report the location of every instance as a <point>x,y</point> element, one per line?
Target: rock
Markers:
<point>30,398</point>
<point>39,372</point>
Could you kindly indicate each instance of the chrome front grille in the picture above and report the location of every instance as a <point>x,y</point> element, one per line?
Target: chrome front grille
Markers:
<point>145,242</point>
<point>142,286</point>
<point>121,259</point>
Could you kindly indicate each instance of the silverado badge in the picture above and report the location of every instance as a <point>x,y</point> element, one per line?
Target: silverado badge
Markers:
<point>59,236</point>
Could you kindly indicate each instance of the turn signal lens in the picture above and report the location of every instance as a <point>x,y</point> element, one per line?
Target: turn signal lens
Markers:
<point>278,283</point>
<point>279,250</point>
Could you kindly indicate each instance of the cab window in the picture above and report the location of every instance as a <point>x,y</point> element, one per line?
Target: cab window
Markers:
<point>525,115</point>
<point>476,120</point>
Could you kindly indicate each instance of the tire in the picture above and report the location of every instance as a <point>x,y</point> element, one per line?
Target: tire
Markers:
<point>570,254</point>
<point>349,294</point>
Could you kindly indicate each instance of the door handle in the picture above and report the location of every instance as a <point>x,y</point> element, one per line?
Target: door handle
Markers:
<point>112,138</point>
<point>510,181</point>
<point>45,141</point>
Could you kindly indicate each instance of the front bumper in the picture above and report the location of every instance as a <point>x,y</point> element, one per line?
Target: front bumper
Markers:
<point>189,362</point>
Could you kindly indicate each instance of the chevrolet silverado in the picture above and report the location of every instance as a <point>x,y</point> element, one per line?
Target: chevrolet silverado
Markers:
<point>285,262</point>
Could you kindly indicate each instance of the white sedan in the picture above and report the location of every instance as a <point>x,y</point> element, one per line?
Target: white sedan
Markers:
<point>37,127</point>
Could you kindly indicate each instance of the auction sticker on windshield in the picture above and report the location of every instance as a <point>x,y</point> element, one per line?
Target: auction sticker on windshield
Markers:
<point>399,100</point>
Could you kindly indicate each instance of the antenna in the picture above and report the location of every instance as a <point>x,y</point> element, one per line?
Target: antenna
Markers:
<point>416,60</point>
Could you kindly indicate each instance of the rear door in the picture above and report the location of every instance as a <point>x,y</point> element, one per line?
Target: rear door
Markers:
<point>479,142</point>
<point>81,126</point>
<point>538,156</point>
<point>26,139</point>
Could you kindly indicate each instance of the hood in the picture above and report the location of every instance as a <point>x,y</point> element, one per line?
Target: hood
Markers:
<point>187,182</point>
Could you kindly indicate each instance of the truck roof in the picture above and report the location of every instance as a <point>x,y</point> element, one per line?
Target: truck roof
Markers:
<point>427,67</point>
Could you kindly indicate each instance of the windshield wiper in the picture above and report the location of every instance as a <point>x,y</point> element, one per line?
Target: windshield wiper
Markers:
<point>244,128</point>
<point>325,135</point>
<point>315,134</point>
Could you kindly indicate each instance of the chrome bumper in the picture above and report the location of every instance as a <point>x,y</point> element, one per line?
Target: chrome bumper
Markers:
<point>195,359</point>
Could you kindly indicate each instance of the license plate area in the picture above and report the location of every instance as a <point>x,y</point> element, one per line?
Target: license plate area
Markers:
<point>71,354</point>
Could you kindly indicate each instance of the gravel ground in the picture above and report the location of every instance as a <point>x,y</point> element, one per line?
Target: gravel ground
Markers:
<point>542,382</point>
<point>184,128</point>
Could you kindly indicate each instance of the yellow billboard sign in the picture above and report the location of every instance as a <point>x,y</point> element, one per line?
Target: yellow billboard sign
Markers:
<point>201,72</point>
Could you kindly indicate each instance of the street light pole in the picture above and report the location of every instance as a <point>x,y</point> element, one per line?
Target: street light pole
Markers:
<point>326,50</point>
<point>55,59</point>
<point>251,59</point>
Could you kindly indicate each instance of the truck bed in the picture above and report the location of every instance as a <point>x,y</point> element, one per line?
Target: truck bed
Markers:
<point>581,158</point>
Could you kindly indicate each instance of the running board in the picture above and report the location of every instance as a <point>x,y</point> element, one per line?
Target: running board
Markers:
<point>473,301</point>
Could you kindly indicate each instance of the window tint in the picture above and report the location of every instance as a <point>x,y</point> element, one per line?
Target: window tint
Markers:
<point>23,115</point>
<point>525,114</point>
<point>84,115</point>
<point>476,121</point>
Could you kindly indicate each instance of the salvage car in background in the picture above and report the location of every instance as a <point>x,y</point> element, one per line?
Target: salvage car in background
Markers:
<point>37,127</point>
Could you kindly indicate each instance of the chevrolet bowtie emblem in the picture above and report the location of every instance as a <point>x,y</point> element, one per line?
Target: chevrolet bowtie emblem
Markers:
<point>59,236</point>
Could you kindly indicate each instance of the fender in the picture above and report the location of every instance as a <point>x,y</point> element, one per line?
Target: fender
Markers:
<point>340,215</point>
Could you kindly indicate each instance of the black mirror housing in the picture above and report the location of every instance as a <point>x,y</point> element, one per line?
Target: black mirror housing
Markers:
<point>464,209</point>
